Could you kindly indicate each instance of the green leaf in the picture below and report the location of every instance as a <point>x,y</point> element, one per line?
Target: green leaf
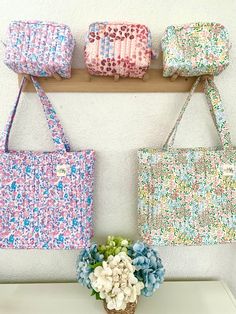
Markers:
<point>98,296</point>
<point>93,266</point>
<point>93,292</point>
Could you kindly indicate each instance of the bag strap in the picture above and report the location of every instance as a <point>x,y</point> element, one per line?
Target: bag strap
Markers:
<point>54,125</point>
<point>216,109</point>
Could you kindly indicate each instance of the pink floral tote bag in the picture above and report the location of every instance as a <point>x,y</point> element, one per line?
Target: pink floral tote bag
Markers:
<point>46,198</point>
<point>188,196</point>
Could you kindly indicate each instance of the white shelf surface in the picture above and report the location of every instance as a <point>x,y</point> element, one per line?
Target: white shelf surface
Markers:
<point>174,297</point>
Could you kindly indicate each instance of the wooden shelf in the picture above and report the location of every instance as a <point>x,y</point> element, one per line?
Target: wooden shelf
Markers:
<point>81,81</point>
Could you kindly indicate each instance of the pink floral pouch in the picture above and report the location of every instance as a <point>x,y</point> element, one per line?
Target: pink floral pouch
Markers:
<point>122,49</point>
<point>39,48</point>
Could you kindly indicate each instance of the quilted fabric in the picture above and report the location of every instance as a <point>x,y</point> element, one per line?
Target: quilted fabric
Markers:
<point>46,198</point>
<point>118,49</point>
<point>188,196</point>
<point>195,49</point>
<point>39,48</point>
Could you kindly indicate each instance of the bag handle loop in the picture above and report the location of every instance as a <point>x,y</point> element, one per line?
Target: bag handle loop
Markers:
<point>60,141</point>
<point>216,109</point>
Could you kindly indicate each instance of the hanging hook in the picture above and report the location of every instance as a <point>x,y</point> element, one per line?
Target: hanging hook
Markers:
<point>4,44</point>
<point>174,77</point>
<point>56,76</point>
<point>206,77</point>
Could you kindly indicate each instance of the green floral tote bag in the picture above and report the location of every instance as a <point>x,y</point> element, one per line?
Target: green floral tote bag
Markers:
<point>188,196</point>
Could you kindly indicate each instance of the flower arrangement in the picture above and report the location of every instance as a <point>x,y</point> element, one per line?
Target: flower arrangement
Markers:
<point>119,271</point>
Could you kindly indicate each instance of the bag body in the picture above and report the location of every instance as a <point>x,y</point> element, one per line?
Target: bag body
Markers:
<point>188,196</point>
<point>122,49</point>
<point>195,49</point>
<point>39,48</point>
<point>46,198</point>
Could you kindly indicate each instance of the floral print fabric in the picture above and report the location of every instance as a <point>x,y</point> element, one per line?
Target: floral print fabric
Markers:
<point>46,198</point>
<point>195,49</point>
<point>39,48</point>
<point>118,49</point>
<point>188,196</point>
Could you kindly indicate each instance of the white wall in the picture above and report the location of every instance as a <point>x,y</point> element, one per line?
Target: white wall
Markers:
<point>116,125</point>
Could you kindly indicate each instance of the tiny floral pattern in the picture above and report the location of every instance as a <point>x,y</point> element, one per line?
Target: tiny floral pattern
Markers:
<point>40,209</point>
<point>39,48</point>
<point>185,195</point>
<point>195,49</point>
<point>118,49</point>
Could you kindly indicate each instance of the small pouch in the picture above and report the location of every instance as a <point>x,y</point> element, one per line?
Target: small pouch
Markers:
<point>195,49</point>
<point>39,48</point>
<point>118,49</point>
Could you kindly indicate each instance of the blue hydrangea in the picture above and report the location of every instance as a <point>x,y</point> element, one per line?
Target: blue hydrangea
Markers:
<point>87,258</point>
<point>149,268</point>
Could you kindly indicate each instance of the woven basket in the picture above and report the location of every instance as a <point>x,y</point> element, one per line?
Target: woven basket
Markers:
<point>130,309</point>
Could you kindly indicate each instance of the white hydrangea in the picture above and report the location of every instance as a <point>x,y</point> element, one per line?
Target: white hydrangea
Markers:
<point>115,281</point>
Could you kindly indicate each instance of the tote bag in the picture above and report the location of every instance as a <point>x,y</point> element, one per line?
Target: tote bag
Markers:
<point>188,196</point>
<point>46,198</point>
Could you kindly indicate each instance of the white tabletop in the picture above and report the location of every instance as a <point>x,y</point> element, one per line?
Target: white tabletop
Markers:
<point>180,297</point>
